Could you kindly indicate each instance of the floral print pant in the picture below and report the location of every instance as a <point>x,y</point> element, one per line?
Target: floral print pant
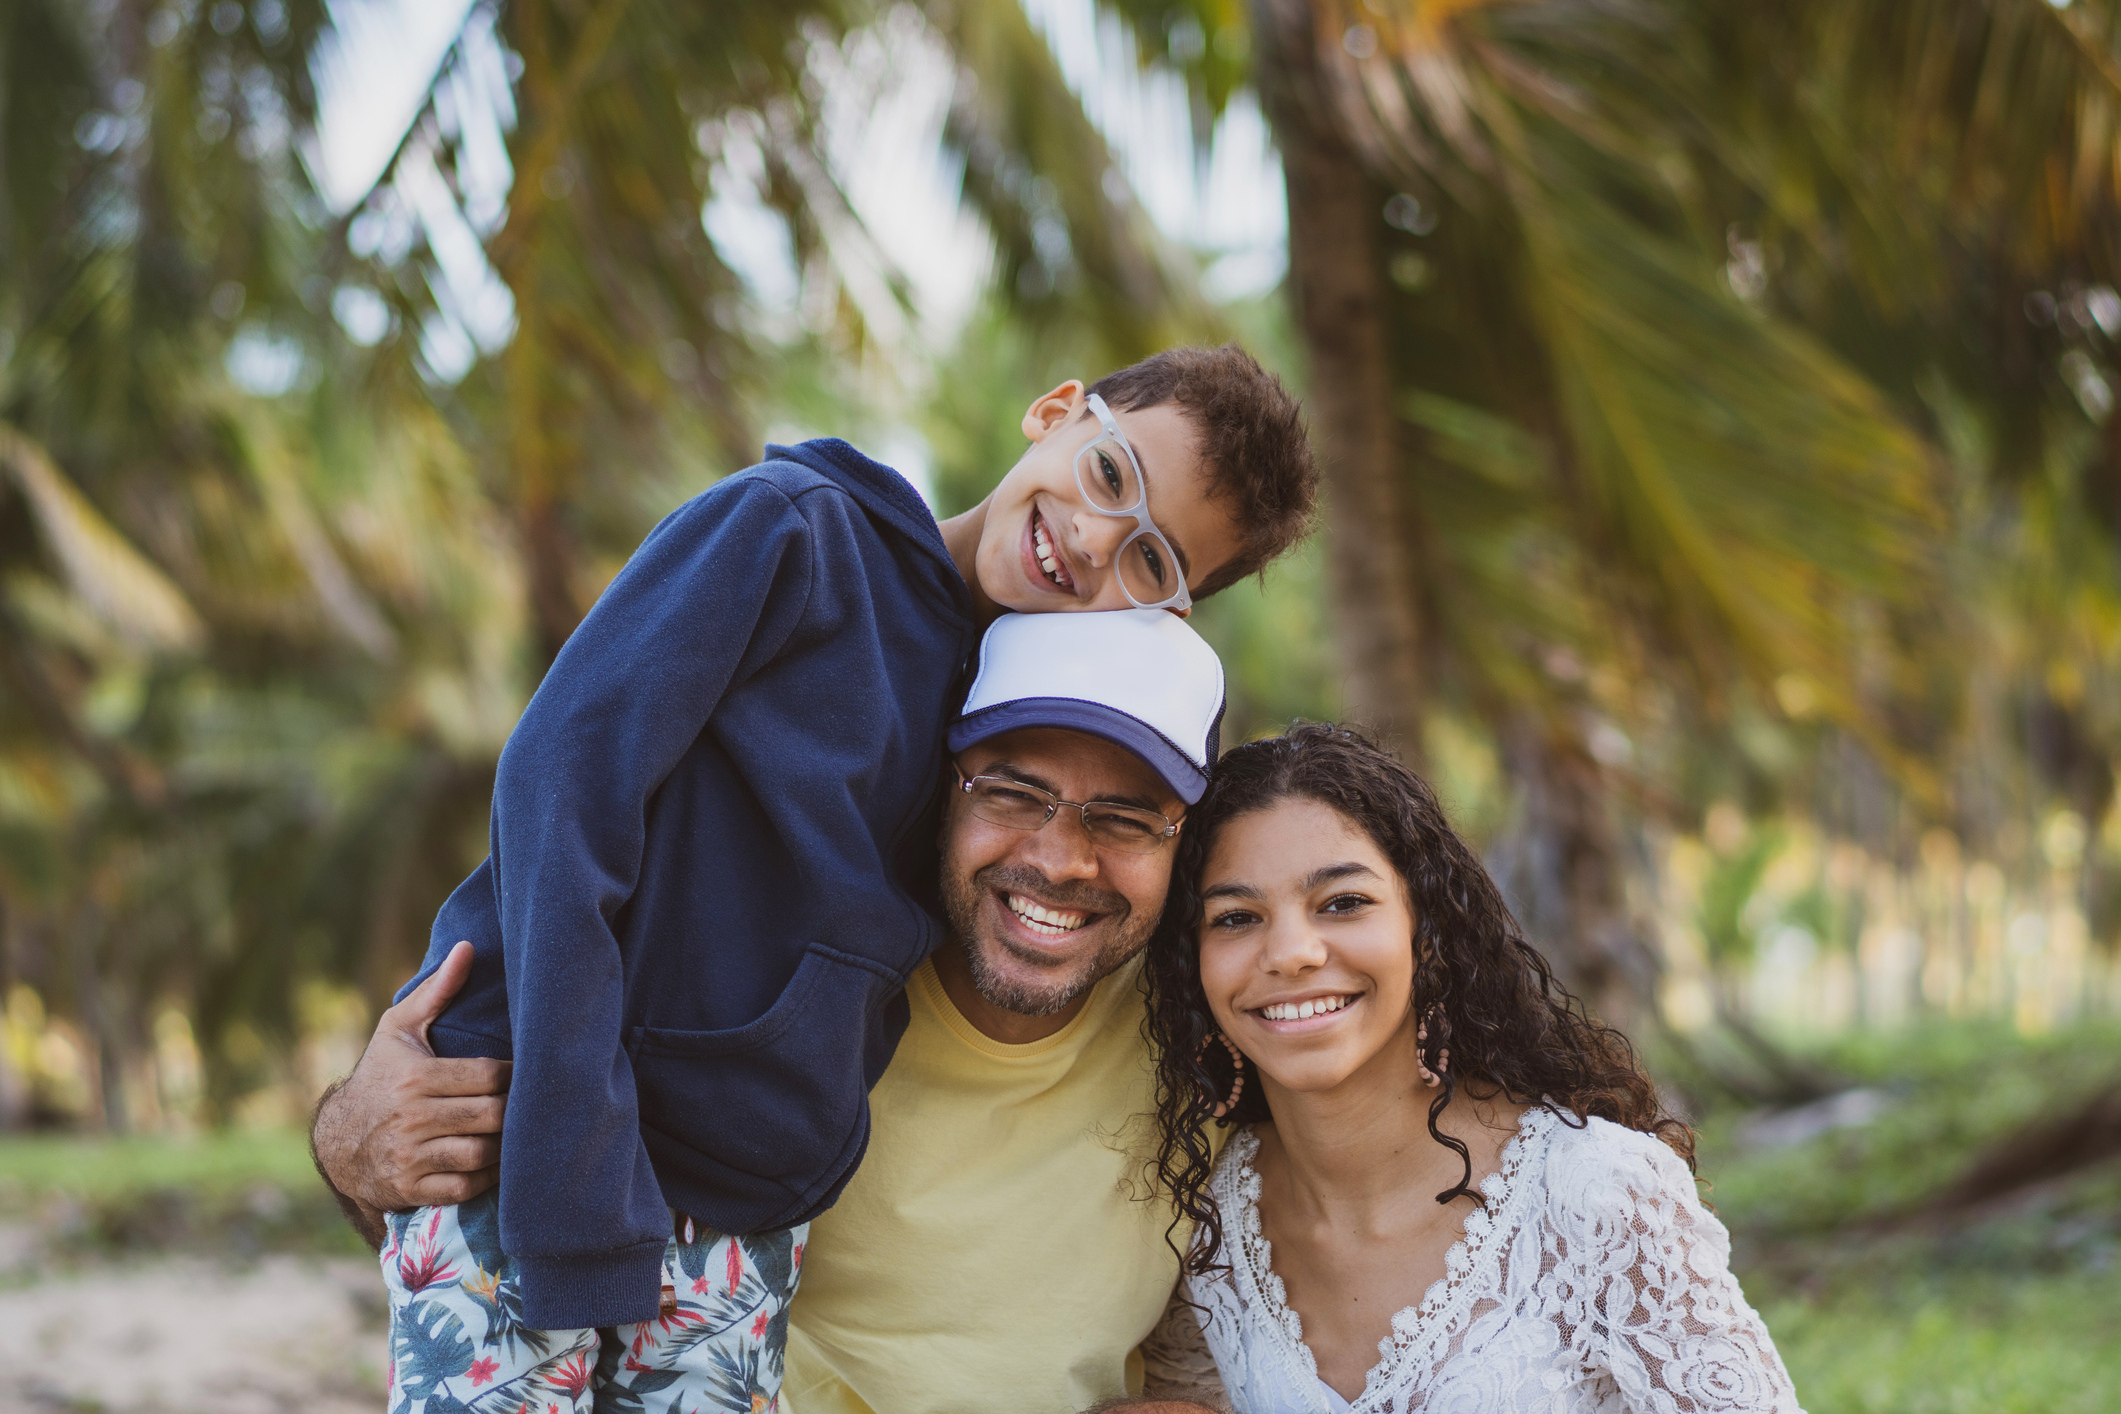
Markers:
<point>458,1344</point>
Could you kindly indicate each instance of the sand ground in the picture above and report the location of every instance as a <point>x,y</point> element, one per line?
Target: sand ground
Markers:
<point>180,1335</point>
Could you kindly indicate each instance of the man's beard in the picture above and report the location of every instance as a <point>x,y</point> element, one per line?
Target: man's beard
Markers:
<point>961,903</point>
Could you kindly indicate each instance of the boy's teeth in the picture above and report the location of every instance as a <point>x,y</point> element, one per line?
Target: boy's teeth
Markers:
<point>1046,920</point>
<point>1303,1011</point>
<point>1047,560</point>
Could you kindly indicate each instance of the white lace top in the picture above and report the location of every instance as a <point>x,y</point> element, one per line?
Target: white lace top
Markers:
<point>1593,1281</point>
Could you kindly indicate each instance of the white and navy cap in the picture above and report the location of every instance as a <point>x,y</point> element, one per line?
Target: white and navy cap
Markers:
<point>1139,678</point>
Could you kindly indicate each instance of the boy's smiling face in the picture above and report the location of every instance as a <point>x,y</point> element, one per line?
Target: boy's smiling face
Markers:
<point>1038,512</point>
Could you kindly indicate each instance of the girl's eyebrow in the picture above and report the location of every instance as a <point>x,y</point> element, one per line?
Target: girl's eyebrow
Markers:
<point>1325,874</point>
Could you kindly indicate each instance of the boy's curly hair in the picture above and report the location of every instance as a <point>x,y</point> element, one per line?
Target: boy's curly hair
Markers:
<point>1252,437</point>
<point>1489,998</point>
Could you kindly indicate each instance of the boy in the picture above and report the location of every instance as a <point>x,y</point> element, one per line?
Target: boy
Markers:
<point>711,864</point>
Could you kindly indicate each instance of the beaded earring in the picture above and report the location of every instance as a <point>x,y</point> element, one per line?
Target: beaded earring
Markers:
<point>1430,1078</point>
<point>1237,1062</point>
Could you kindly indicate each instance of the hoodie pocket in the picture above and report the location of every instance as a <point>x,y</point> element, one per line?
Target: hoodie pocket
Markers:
<point>779,1097</point>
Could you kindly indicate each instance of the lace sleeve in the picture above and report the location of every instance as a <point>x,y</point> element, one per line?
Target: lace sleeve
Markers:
<point>1675,1330</point>
<point>1175,1359</point>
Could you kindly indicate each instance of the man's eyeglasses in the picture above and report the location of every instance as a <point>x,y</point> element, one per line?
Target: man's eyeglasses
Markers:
<point>1016,806</point>
<point>1110,478</point>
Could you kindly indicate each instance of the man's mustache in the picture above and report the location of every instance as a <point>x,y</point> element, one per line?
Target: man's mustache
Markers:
<point>1072,893</point>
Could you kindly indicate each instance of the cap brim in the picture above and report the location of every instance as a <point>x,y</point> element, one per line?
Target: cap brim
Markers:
<point>1187,781</point>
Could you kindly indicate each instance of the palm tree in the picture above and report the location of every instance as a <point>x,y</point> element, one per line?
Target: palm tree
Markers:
<point>1687,315</point>
<point>1948,222</point>
<point>619,114</point>
<point>630,368</point>
<point>296,502</point>
<point>1595,451</point>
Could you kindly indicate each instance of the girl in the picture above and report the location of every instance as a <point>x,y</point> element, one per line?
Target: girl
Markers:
<point>1449,1190</point>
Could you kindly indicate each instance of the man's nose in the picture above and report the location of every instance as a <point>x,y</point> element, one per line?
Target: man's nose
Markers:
<point>1061,849</point>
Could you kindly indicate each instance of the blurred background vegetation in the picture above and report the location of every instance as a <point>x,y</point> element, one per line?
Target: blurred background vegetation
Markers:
<point>1724,501</point>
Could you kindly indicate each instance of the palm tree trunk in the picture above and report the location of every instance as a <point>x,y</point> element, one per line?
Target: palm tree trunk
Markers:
<point>544,469</point>
<point>97,1010</point>
<point>1336,279</point>
<point>1561,868</point>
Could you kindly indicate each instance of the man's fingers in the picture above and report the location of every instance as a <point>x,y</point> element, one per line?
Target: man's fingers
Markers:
<point>427,1001</point>
<point>448,1079</point>
<point>439,1189</point>
<point>422,1119</point>
<point>409,1173</point>
<point>459,1153</point>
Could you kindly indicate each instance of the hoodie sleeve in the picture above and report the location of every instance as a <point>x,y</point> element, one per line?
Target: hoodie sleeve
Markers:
<point>712,594</point>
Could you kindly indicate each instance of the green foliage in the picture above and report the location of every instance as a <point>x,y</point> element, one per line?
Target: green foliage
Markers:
<point>1206,41</point>
<point>1614,450</point>
<point>287,535</point>
<point>1075,251</point>
<point>232,1193</point>
<point>1273,634</point>
<point>1730,885</point>
<point>2037,1345</point>
<point>1747,361</point>
<point>1950,1090</point>
<point>983,387</point>
<point>217,1163</point>
<point>2016,1305</point>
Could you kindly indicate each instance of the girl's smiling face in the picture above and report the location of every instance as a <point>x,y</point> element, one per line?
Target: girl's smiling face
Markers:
<point>1306,946</point>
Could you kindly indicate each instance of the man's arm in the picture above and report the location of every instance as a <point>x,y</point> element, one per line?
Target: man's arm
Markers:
<point>408,1129</point>
<point>1178,1372</point>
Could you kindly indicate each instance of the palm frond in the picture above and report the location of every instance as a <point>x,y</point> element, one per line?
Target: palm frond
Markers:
<point>1070,235</point>
<point>1737,483</point>
<point>99,564</point>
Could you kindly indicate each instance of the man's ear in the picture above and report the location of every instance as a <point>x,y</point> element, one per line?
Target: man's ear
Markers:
<point>1051,410</point>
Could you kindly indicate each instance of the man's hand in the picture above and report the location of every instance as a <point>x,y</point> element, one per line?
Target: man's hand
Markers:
<point>408,1129</point>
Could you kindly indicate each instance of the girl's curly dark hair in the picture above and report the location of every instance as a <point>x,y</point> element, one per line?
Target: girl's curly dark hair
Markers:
<point>1486,995</point>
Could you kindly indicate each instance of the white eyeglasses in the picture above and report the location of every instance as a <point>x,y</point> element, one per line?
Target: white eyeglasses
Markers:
<point>1149,571</point>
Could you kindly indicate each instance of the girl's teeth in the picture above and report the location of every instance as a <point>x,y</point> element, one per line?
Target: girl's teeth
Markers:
<point>1303,1011</point>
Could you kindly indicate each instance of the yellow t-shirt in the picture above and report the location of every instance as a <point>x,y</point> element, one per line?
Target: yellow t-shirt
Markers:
<point>997,1249</point>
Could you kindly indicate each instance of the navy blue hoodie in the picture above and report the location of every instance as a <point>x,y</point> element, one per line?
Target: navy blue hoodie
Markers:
<point>711,851</point>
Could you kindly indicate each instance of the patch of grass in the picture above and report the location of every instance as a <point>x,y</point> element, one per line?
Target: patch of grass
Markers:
<point>2035,1345</point>
<point>1954,1090</point>
<point>89,1166</point>
<point>236,1193</point>
<point>2012,1306</point>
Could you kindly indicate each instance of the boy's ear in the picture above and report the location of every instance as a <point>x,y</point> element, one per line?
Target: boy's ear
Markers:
<point>1051,410</point>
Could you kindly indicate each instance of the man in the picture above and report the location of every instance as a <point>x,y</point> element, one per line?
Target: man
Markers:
<point>999,1247</point>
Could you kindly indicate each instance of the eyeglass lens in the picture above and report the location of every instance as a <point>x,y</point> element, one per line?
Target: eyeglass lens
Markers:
<point>1108,476</point>
<point>1020,807</point>
<point>1147,567</point>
